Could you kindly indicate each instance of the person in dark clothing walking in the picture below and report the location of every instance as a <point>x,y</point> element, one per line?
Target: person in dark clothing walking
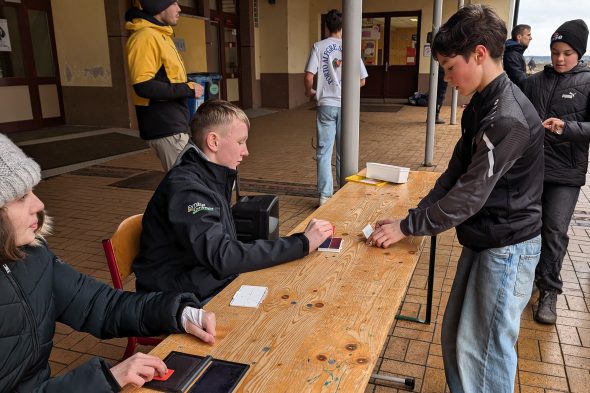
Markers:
<point>441,90</point>
<point>189,240</point>
<point>514,63</point>
<point>491,193</point>
<point>561,95</point>
<point>37,289</point>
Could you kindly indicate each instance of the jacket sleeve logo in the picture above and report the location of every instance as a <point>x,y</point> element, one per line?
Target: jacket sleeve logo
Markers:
<point>198,206</point>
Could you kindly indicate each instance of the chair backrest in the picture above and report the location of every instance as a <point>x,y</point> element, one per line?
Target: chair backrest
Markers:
<point>122,248</point>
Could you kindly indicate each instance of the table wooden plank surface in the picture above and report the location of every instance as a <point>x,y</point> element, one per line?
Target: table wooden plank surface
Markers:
<point>326,317</point>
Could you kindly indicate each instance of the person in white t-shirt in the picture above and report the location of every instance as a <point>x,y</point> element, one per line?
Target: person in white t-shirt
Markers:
<point>325,60</point>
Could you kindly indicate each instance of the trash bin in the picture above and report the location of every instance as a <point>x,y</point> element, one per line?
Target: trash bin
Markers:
<point>210,83</point>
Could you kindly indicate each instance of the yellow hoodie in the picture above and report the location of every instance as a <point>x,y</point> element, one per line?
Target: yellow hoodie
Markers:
<point>148,49</point>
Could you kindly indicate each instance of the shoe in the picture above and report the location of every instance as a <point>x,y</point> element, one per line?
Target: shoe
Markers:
<point>536,291</point>
<point>546,308</point>
<point>323,200</point>
<point>439,120</point>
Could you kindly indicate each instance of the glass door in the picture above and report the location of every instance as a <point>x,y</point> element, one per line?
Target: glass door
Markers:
<point>28,67</point>
<point>389,48</point>
<point>373,52</point>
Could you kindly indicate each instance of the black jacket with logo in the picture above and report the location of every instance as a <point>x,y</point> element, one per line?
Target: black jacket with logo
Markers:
<point>491,190</point>
<point>514,63</point>
<point>565,96</point>
<point>40,290</point>
<point>188,240</point>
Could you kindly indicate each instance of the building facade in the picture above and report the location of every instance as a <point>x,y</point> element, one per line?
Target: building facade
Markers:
<point>64,61</point>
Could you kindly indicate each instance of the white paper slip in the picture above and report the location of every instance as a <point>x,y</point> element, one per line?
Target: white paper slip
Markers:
<point>367,231</point>
<point>249,296</point>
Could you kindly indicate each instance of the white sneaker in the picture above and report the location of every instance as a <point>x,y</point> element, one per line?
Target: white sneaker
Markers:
<point>323,200</point>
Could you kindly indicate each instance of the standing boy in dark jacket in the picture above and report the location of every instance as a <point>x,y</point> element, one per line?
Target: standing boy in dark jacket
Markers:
<point>561,95</point>
<point>37,289</point>
<point>160,88</point>
<point>491,193</point>
<point>189,238</point>
<point>514,63</point>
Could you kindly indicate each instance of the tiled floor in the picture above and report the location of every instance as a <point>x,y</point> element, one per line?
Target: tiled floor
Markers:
<point>87,209</point>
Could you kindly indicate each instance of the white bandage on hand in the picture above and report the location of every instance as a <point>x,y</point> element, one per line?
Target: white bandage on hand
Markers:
<point>194,315</point>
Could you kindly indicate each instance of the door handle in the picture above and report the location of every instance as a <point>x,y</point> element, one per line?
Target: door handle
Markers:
<point>386,66</point>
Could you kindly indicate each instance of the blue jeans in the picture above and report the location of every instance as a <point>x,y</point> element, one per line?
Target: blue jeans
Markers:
<point>482,318</point>
<point>328,130</point>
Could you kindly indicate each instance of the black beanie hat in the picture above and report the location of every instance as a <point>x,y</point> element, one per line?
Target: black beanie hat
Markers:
<point>573,32</point>
<point>154,7</point>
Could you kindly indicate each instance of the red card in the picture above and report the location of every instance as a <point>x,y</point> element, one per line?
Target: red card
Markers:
<point>163,377</point>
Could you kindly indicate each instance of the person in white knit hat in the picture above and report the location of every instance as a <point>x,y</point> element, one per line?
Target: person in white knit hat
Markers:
<point>37,289</point>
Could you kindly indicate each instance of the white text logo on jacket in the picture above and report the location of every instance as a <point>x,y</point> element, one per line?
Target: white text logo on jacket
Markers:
<point>198,206</point>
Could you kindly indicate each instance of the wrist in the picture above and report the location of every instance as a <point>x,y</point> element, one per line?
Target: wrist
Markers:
<point>194,315</point>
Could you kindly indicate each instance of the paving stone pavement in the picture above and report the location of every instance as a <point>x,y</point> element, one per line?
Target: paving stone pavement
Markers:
<point>87,208</point>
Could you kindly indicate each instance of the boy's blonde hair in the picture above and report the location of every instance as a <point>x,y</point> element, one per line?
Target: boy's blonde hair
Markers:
<point>213,116</point>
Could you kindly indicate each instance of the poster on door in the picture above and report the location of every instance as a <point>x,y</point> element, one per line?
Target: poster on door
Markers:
<point>4,37</point>
<point>369,51</point>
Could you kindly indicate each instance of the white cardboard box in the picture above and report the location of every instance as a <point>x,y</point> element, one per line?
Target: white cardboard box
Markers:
<point>391,173</point>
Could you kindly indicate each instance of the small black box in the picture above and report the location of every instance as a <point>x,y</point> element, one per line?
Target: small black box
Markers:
<point>256,217</point>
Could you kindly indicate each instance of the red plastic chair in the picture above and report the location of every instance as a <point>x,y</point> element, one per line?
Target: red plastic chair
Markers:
<point>120,251</point>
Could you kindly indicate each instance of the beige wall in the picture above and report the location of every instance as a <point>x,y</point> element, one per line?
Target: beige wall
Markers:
<point>274,55</point>
<point>82,43</point>
<point>192,31</point>
<point>298,35</point>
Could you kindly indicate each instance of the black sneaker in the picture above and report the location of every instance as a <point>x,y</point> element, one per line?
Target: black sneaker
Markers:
<point>546,308</point>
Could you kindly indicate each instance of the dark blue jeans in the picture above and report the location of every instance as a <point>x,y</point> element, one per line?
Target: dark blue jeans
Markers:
<point>559,203</point>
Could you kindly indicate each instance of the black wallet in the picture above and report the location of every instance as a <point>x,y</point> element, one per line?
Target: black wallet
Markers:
<point>186,368</point>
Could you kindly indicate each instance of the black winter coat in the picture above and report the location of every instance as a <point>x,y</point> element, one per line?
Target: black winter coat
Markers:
<point>188,240</point>
<point>514,63</point>
<point>41,289</point>
<point>565,96</point>
<point>491,190</point>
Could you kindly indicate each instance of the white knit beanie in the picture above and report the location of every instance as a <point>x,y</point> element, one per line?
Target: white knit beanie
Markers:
<point>18,173</point>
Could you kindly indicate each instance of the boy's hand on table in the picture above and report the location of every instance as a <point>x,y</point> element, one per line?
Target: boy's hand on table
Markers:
<point>387,232</point>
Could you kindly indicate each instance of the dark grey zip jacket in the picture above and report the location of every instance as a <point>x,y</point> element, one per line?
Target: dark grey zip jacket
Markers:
<point>565,96</point>
<point>39,291</point>
<point>188,240</point>
<point>491,190</point>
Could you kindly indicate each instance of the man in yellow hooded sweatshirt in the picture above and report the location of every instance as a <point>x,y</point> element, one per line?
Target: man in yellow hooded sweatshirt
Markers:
<point>160,87</point>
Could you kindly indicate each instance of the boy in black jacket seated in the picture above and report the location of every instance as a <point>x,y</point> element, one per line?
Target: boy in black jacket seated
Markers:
<point>491,193</point>
<point>189,239</point>
<point>561,95</point>
<point>37,289</point>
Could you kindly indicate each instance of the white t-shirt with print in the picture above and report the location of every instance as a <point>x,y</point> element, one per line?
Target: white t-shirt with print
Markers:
<point>325,60</point>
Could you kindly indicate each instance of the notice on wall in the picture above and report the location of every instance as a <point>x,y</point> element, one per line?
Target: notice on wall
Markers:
<point>426,52</point>
<point>4,37</point>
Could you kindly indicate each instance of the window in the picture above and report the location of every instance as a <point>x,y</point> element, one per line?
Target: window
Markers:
<point>42,50</point>
<point>11,50</point>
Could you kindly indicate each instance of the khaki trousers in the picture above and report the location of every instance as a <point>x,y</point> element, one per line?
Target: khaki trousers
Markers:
<point>168,148</point>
